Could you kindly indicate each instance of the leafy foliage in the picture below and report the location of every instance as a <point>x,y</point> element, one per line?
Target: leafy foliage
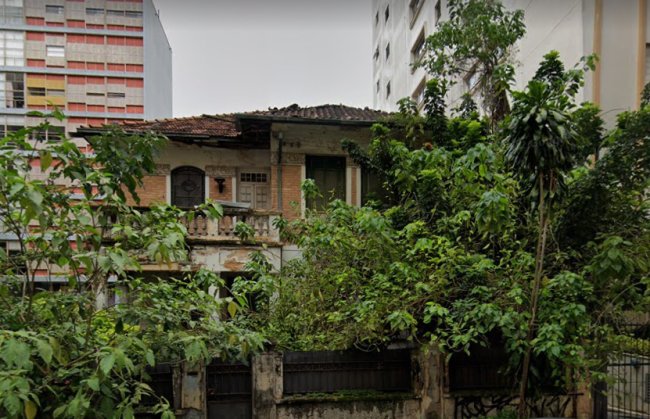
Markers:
<point>477,42</point>
<point>68,353</point>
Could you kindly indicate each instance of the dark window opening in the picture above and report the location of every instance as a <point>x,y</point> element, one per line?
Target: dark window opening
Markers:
<point>438,12</point>
<point>372,188</point>
<point>329,175</point>
<point>387,14</point>
<point>188,187</point>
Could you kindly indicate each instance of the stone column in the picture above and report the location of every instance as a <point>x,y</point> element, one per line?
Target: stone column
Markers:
<point>193,398</point>
<point>267,384</point>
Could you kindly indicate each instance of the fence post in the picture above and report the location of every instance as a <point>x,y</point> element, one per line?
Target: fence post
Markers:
<point>267,384</point>
<point>425,381</point>
<point>193,397</point>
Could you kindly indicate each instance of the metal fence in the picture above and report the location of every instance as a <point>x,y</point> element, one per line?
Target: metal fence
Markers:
<point>628,396</point>
<point>331,371</point>
<point>229,390</point>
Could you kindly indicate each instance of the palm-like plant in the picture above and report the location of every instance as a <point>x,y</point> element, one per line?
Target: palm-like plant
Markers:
<point>541,145</point>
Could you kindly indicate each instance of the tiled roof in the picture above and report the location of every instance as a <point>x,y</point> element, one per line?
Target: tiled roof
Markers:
<point>323,112</point>
<point>204,125</point>
<point>226,126</point>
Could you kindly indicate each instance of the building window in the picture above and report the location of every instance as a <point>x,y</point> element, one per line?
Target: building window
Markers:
<point>417,52</point>
<point>387,51</point>
<point>437,12</point>
<point>14,263</point>
<point>418,93</point>
<point>36,91</point>
<point>377,19</point>
<point>12,90</point>
<point>94,11</point>
<point>188,187</point>
<point>372,188</point>
<point>133,14</point>
<point>647,63</point>
<point>253,189</point>
<point>376,54</point>
<point>471,81</point>
<point>115,95</point>
<point>329,175</point>
<point>11,11</point>
<point>12,48</point>
<point>414,8</point>
<point>387,13</point>
<point>388,89</point>
<point>55,50</point>
<point>54,9</point>
<point>378,86</point>
<point>114,12</point>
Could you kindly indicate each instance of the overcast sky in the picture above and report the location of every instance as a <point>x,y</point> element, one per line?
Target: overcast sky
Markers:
<point>241,55</point>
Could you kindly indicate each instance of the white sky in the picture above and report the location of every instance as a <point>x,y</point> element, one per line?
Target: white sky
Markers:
<point>242,55</point>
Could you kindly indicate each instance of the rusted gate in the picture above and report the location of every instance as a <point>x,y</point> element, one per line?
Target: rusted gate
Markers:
<point>162,383</point>
<point>331,371</point>
<point>229,390</point>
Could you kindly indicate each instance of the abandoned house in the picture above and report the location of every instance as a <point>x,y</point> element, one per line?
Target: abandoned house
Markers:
<point>253,164</point>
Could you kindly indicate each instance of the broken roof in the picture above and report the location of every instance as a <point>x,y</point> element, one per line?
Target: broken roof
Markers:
<point>229,125</point>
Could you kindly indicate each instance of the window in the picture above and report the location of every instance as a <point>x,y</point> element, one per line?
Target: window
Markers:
<point>378,86</point>
<point>94,11</point>
<point>329,175</point>
<point>36,91</point>
<point>115,95</point>
<point>188,187</point>
<point>471,81</point>
<point>49,135</point>
<point>417,52</point>
<point>55,51</point>
<point>647,63</point>
<point>372,188</point>
<point>387,51</point>
<point>11,11</point>
<point>377,19</point>
<point>388,89</point>
<point>437,12</point>
<point>376,54</point>
<point>14,263</point>
<point>12,90</point>
<point>418,93</point>
<point>387,13</point>
<point>414,9</point>
<point>12,48</point>
<point>53,9</point>
<point>254,189</point>
<point>114,12</point>
<point>133,14</point>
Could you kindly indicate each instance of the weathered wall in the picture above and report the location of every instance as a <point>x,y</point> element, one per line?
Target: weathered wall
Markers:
<point>383,409</point>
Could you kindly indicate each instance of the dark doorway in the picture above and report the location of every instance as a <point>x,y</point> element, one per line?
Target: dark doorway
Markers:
<point>188,187</point>
<point>329,174</point>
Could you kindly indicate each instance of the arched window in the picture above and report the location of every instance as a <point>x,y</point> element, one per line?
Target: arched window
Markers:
<point>188,186</point>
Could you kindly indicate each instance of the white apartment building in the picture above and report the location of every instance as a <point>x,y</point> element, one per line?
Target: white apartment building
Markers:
<point>616,30</point>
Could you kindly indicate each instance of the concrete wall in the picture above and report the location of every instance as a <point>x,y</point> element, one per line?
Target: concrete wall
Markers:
<point>157,66</point>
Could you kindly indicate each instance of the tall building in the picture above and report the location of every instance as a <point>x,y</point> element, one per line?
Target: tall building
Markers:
<point>617,31</point>
<point>100,61</point>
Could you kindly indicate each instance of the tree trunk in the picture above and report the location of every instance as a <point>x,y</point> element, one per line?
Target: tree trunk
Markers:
<point>537,280</point>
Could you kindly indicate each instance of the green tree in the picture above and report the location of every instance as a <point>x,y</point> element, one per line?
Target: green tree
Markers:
<point>476,44</point>
<point>68,353</point>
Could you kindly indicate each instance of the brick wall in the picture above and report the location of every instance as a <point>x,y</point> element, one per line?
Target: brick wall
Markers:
<point>153,190</point>
<point>291,177</point>
<point>227,189</point>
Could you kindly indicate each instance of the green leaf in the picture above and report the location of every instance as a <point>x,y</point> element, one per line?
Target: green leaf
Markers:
<point>44,350</point>
<point>106,364</point>
<point>30,409</point>
<point>93,383</point>
<point>46,159</point>
<point>232,308</point>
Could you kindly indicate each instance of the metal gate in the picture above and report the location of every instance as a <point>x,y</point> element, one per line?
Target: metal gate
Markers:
<point>229,390</point>
<point>628,397</point>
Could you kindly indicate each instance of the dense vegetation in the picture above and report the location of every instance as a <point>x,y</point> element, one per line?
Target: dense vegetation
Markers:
<point>61,353</point>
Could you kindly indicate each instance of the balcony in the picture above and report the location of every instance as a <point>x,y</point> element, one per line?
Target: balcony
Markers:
<point>202,228</point>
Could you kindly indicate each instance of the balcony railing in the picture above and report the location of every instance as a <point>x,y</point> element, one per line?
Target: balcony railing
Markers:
<point>203,228</point>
